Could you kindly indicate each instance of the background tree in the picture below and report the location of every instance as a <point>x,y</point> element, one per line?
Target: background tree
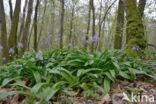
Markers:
<point>35,26</point>
<point>12,42</point>
<point>88,25</point>
<point>142,4</point>
<point>26,29</point>
<point>93,25</point>
<point>62,23</point>
<point>119,26</point>
<point>3,34</point>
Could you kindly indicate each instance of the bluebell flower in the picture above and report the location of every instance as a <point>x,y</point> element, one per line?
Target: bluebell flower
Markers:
<point>136,48</point>
<point>4,58</point>
<point>19,45</point>
<point>70,45</point>
<point>1,47</point>
<point>39,55</point>
<point>95,38</point>
<point>11,51</point>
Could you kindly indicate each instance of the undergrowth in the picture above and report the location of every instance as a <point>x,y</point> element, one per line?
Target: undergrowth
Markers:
<point>42,78</point>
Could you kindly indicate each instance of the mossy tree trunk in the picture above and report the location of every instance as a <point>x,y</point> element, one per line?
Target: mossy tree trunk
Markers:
<point>119,26</point>
<point>12,42</point>
<point>135,29</point>
<point>3,34</point>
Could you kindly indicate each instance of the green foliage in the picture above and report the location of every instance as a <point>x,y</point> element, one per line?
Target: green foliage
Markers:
<point>68,72</point>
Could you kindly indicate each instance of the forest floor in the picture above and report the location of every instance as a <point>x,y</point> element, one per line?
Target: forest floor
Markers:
<point>143,90</point>
<point>78,77</point>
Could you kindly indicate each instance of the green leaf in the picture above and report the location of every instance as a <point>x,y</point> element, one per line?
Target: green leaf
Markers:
<point>7,81</point>
<point>4,94</point>
<point>37,87</point>
<point>65,74</point>
<point>82,72</point>
<point>109,76</point>
<point>113,73</point>
<point>106,85</point>
<point>21,84</point>
<point>84,86</point>
<point>124,75</point>
<point>116,65</point>
<point>37,76</point>
<point>49,92</point>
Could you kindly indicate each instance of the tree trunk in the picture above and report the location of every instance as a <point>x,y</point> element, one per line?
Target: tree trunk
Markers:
<point>119,26</point>
<point>88,25</point>
<point>135,28</point>
<point>12,42</point>
<point>71,26</point>
<point>62,24</point>
<point>35,26</point>
<point>23,22</point>
<point>42,22</point>
<point>142,4</point>
<point>93,27</point>
<point>26,29</point>
<point>3,33</point>
<point>100,25</point>
<point>11,9</point>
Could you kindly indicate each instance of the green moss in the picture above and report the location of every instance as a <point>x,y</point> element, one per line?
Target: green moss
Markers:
<point>135,27</point>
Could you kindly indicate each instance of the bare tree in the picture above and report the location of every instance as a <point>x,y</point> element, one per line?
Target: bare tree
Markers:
<point>35,25</point>
<point>22,21</point>
<point>93,27</point>
<point>26,29</point>
<point>11,9</point>
<point>71,22</point>
<point>88,25</point>
<point>119,26</point>
<point>42,22</point>
<point>141,6</point>
<point>62,23</point>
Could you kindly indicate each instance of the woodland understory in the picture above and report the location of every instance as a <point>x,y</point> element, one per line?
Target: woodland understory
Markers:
<point>77,52</point>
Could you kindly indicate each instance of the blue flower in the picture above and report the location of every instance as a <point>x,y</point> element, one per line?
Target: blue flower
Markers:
<point>11,51</point>
<point>1,47</point>
<point>136,48</point>
<point>70,45</point>
<point>95,38</point>
<point>19,45</point>
<point>4,58</point>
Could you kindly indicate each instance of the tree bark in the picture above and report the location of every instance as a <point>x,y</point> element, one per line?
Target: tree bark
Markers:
<point>42,22</point>
<point>141,6</point>
<point>88,25</point>
<point>135,28</point>
<point>22,22</point>
<point>62,23</point>
<point>100,25</point>
<point>119,26</point>
<point>71,25</point>
<point>26,29</point>
<point>3,33</point>
<point>93,27</point>
<point>12,42</point>
<point>11,9</point>
<point>35,26</point>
